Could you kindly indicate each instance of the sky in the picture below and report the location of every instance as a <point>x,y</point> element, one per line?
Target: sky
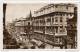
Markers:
<point>14,11</point>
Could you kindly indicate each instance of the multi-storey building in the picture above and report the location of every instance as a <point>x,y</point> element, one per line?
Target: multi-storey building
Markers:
<point>51,21</point>
<point>21,29</point>
<point>49,25</point>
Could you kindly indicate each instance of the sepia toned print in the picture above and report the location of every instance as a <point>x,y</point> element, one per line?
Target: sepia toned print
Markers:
<point>40,26</point>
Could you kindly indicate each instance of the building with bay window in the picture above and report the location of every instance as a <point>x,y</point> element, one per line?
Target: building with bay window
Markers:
<point>50,23</point>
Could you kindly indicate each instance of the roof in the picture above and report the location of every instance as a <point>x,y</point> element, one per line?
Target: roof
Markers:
<point>59,4</point>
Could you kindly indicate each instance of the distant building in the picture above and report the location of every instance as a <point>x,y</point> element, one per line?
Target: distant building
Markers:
<point>11,28</point>
<point>21,28</point>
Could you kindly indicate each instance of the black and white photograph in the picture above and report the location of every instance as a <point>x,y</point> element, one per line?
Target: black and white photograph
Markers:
<point>39,26</point>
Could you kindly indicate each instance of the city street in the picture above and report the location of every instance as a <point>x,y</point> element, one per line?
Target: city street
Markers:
<point>40,26</point>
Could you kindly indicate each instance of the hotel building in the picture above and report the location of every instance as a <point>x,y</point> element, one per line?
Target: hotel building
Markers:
<point>50,23</point>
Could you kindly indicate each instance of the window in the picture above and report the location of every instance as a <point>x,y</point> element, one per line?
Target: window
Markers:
<point>56,13</point>
<point>70,14</point>
<point>56,19</point>
<point>58,40</point>
<point>60,14</point>
<point>51,9</point>
<point>56,29</point>
<point>52,19</point>
<point>41,28</point>
<point>66,28</point>
<point>42,21</point>
<point>66,7</point>
<point>67,14</point>
<point>48,29</point>
<point>60,19</point>
<point>48,20</point>
<point>61,29</point>
<point>63,14</point>
<point>56,6</point>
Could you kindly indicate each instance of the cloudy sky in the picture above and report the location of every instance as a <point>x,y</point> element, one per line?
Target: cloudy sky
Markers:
<point>14,11</point>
